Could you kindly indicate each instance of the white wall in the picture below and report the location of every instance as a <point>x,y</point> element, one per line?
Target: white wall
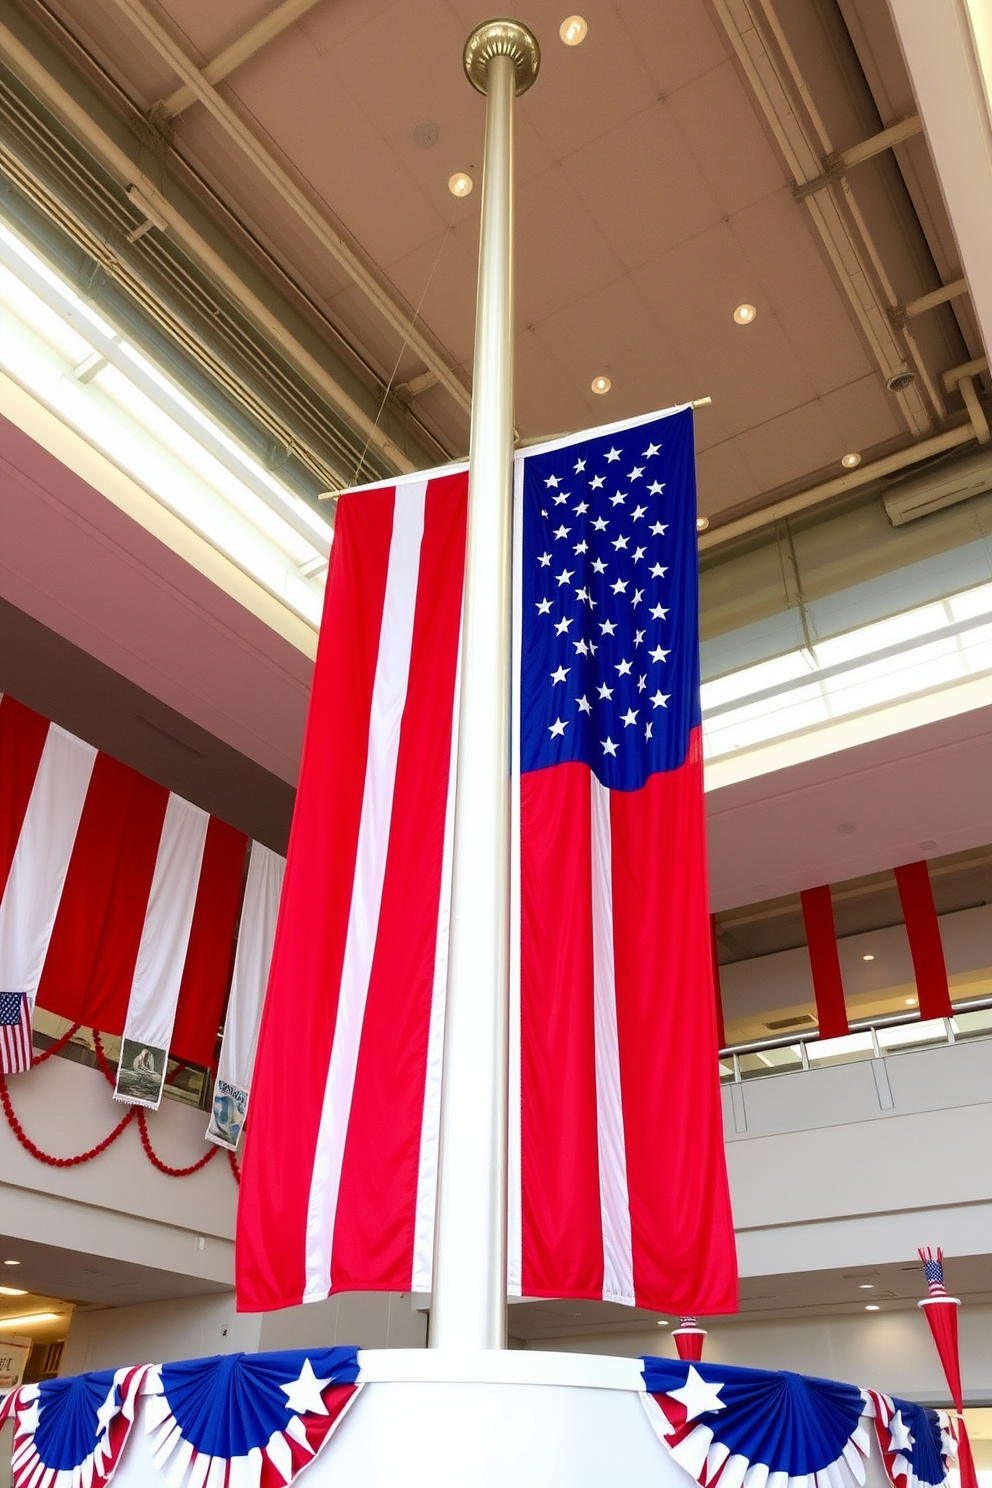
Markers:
<point>891,1351</point>
<point>191,1327</point>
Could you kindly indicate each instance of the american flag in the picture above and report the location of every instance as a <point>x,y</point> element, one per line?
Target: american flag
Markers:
<point>16,1051</point>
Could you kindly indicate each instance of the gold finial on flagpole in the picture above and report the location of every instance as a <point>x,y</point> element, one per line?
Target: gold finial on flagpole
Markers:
<point>502,38</point>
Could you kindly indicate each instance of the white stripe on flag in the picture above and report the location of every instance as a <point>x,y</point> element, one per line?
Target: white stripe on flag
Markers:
<point>423,1231</point>
<point>41,859</point>
<point>263,887</point>
<point>618,1258</point>
<point>514,1179</point>
<point>388,702</point>
<point>158,971</point>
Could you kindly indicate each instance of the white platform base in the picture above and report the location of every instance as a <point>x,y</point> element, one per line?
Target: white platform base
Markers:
<point>500,1420</point>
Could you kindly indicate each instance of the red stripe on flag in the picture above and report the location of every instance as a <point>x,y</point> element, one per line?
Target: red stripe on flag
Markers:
<point>681,1225</point>
<point>721,1032</point>
<point>923,929</point>
<point>91,956</point>
<point>824,960</point>
<point>297,1028</point>
<point>376,1207</point>
<point>22,739</point>
<point>561,1221</point>
<point>210,949</point>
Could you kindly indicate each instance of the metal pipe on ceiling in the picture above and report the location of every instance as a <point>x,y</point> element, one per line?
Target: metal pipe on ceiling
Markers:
<point>924,449</point>
<point>273,173</point>
<point>232,57</point>
<point>923,303</point>
<point>838,164</point>
<point>120,165</point>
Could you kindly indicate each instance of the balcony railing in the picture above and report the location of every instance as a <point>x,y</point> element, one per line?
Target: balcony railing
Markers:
<point>869,1038</point>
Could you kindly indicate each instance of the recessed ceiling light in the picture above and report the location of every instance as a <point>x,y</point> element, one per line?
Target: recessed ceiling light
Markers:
<point>702,523</point>
<point>601,384</point>
<point>871,1307</point>
<point>460,184</point>
<point>744,314</point>
<point>573,30</point>
<point>866,1286</point>
<point>868,957</point>
<point>851,461</point>
<point>13,1291</point>
<point>12,1263</point>
<point>910,1001</point>
<point>663,1323</point>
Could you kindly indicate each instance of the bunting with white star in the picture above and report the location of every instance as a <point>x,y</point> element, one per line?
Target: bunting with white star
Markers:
<point>71,1433</point>
<point>247,1418</point>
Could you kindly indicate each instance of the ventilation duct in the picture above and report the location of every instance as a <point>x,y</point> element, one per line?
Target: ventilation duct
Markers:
<point>939,487</point>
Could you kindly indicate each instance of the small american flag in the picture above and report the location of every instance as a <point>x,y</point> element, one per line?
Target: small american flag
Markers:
<point>934,1271</point>
<point>16,1052</point>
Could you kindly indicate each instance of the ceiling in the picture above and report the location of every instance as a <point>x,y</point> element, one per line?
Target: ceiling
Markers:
<point>656,164</point>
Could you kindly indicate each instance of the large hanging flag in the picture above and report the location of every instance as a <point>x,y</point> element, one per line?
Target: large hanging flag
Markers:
<point>617,1176</point>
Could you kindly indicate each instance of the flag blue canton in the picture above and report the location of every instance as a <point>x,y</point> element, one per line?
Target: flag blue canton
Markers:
<point>10,1009</point>
<point>916,1437</point>
<point>609,596</point>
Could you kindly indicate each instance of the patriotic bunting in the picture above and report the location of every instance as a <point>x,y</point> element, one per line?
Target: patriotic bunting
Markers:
<point>728,1426</point>
<point>71,1433</point>
<point>917,1444</point>
<point>118,903</point>
<point>247,1418</point>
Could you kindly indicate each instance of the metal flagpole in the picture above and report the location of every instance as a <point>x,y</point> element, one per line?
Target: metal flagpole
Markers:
<point>468,1303</point>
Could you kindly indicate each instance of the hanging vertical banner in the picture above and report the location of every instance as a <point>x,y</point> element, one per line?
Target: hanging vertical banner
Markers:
<point>158,972</point>
<point>828,985</point>
<point>232,1087</point>
<point>34,884</point>
<point>923,929</point>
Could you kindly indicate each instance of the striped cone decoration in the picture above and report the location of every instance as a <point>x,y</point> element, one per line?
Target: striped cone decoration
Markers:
<point>942,1315</point>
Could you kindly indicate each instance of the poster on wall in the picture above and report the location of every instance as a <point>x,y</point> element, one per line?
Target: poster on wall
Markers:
<point>14,1351</point>
<point>141,1074</point>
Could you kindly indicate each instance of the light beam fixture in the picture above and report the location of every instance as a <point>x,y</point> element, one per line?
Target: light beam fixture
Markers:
<point>460,184</point>
<point>851,461</point>
<point>744,314</point>
<point>601,384</point>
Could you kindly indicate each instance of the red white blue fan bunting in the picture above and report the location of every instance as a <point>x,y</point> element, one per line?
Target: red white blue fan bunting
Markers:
<point>752,1428</point>
<point>71,1433</point>
<point>255,1420</point>
<point>917,1444</point>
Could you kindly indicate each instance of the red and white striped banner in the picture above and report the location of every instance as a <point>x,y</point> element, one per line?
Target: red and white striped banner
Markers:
<point>118,899</point>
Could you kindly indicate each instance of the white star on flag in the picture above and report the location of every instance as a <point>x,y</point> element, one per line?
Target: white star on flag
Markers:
<point>107,1411</point>
<point>612,455</point>
<point>902,1437</point>
<point>558,728</point>
<point>609,746</point>
<point>697,1395</point>
<point>303,1393</point>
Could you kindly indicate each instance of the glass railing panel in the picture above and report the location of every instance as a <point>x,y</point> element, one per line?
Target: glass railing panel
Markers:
<point>726,1070</point>
<point>771,1061</point>
<point>906,1036</point>
<point>843,1050</point>
<point>974,1024</point>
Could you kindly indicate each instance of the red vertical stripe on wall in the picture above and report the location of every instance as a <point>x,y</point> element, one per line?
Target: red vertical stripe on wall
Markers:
<point>920,914</point>
<point>828,986</point>
<point>211,944</point>
<point>22,739</point>
<point>721,1032</point>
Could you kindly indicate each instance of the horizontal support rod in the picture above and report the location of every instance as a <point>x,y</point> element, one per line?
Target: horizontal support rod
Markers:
<point>920,306</point>
<point>974,368</point>
<point>298,202</point>
<point>256,37</point>
<point>836,166</point>
<point>924,449</point>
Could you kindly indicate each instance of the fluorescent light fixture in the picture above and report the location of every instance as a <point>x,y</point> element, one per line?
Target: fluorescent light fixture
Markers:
<point>24,1318</point>
<point>13,1291</point>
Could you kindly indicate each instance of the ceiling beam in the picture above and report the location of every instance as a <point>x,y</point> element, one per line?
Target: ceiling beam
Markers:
<point>838,165</point>
<point>298,202</point>
<point>123,169</point>
<point>232,57</point>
